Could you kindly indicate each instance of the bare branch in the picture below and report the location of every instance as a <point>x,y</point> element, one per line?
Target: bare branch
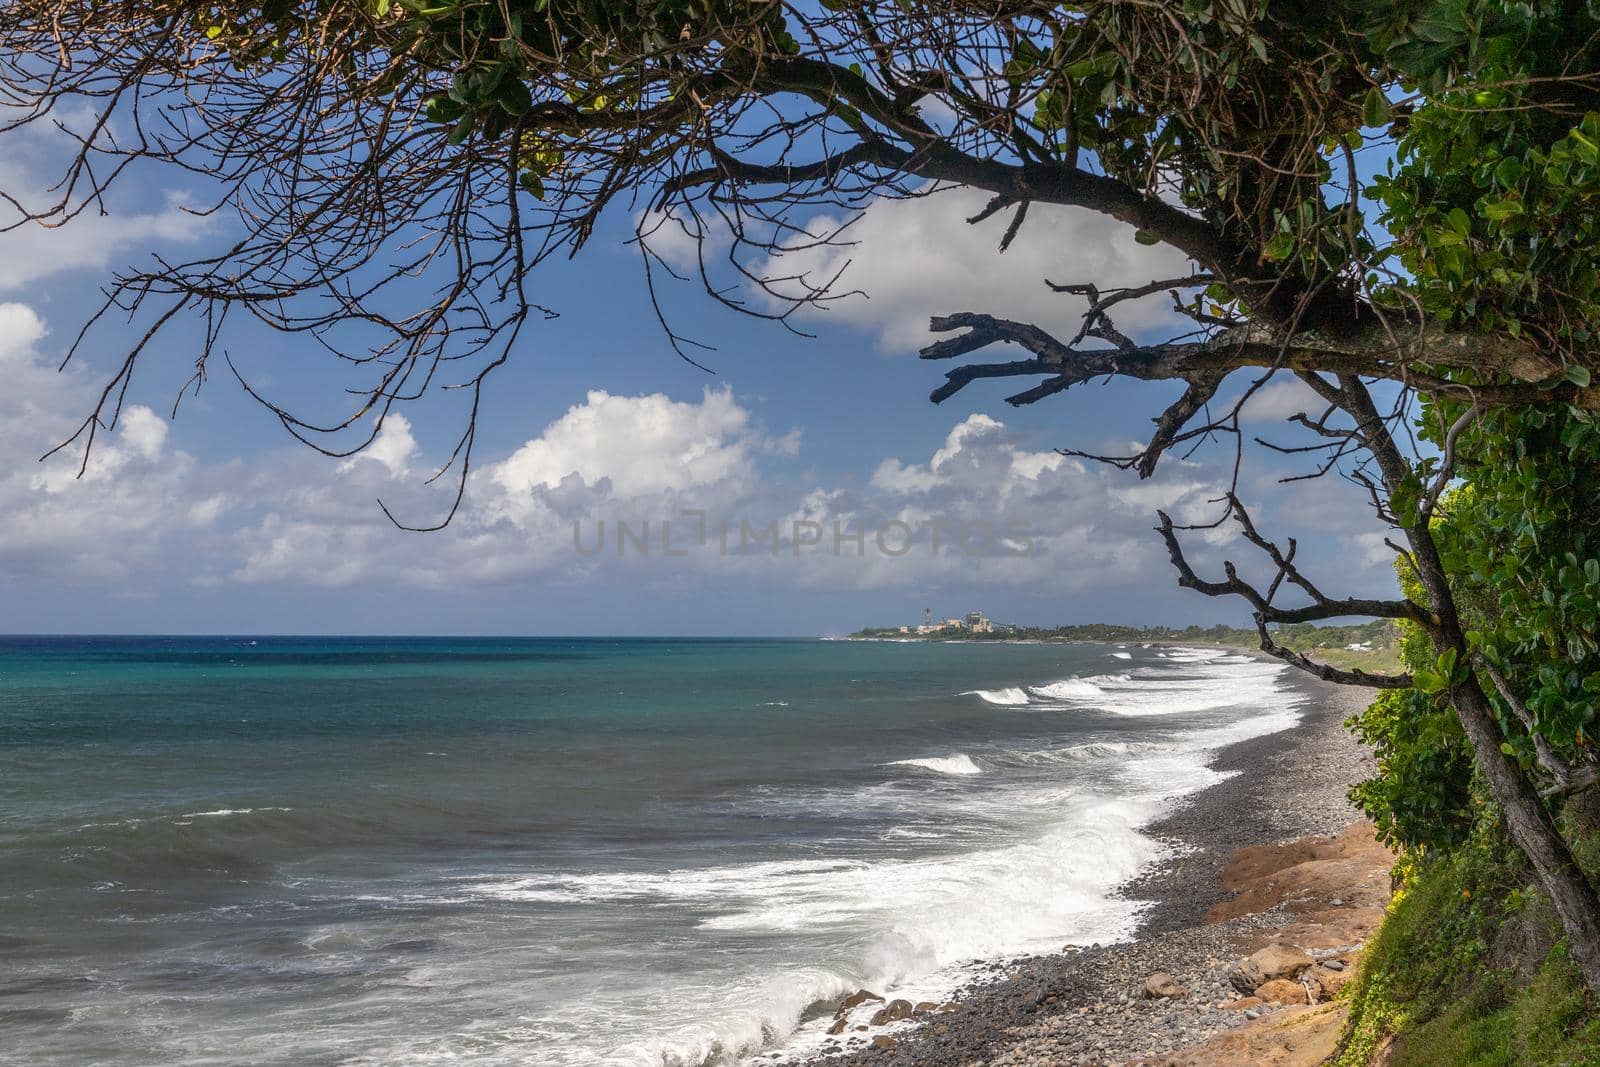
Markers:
<point>1329,673</point>
<point>1321,607</point>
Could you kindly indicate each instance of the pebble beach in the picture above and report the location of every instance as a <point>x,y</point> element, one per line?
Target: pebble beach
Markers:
<point>1274,856</point>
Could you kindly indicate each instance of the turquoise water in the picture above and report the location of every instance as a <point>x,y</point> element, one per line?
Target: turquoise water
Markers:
<point>547,851</point>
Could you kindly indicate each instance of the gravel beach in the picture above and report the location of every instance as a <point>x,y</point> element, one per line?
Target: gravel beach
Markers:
<point>1089,1006</point>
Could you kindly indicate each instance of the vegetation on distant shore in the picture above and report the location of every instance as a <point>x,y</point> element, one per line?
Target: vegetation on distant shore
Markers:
<point>1368,646</point>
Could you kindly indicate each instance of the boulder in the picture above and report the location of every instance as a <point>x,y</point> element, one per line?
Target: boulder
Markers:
<point>1283,991</point>
<point>856,999</point>
<point>839,1024</point>
<point>1244,1003</point>
<point>884,1042</point>
<point>1328,981</point>
<point>892,1012</point>
<point>925,1006</point>
<point>1271,963</point>
<point>1162,984</point>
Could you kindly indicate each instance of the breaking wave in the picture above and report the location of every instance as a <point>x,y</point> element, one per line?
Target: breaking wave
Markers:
<point>1009,697</point>
<point>959,763</point>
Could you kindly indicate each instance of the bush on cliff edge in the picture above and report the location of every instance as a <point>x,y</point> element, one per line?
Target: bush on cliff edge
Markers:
<point>1469,969</point>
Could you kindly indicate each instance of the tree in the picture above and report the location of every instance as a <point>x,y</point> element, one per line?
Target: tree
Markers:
<point>449,146</point>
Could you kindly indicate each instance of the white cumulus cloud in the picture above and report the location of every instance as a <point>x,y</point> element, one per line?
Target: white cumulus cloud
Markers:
<point>915,258</point>
<point>129,219</point>
<point>392,448</point>
<point>639,443</point>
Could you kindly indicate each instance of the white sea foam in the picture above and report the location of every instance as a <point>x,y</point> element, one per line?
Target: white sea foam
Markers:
<point>1198,655</point>
<point>1093,750</point>
<point>1070,689</point>
<point>1200,685</point>
<point>959,763</point>
<point>1009,697</point>
<point>1055,845</point>
<point>909,927</point>
<point>220,812</point>
<point>1090,688</point>
<point>912,833</point>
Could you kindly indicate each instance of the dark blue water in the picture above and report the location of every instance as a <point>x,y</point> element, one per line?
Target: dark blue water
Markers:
<point>548,851</point>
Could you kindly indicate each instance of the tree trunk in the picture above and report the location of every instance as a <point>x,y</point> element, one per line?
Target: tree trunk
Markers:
<point>1529,825</point>
<point>1533,831</point>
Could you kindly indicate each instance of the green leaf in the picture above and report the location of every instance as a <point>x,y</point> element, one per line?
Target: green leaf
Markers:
<point>1429,682</point>
<point>1375,108</point>
<point>1446,664</point>
<point>1280,247</point>
<point>1585,148</point>
<point>1501,210</point>
<point>1147,237</point>
<point>442,109</point>
<point>1104,63</point>
<point>1405,497</point>
<point>1509,171</point>
<point>514,96</point>
<point>1578,375</point>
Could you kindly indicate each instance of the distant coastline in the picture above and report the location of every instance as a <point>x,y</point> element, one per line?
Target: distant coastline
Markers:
<point>1371,646</point>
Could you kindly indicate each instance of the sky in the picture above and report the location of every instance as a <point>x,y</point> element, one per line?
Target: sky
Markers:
<point>805,486</point>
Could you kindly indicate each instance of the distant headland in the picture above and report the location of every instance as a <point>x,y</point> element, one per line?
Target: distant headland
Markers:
<point>1369,645</point>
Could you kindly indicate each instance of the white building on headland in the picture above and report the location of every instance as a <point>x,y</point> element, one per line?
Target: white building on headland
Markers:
<point>973,623</point>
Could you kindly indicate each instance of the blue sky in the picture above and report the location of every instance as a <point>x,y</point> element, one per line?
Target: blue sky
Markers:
<point>218,522</point>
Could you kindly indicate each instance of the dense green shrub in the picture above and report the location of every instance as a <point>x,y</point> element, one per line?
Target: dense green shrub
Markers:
<point>1468,969</point>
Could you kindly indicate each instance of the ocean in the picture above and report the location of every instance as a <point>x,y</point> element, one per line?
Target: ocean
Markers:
<point>574,852</point>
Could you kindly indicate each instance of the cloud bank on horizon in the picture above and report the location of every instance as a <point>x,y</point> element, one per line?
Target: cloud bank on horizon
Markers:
<point>147,510</point>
